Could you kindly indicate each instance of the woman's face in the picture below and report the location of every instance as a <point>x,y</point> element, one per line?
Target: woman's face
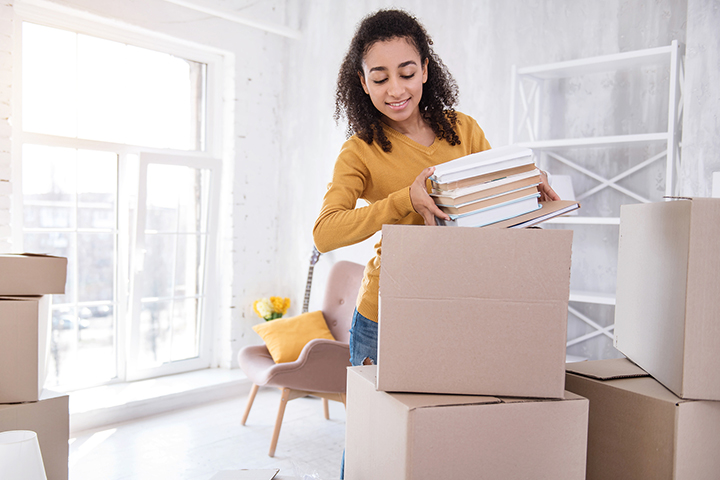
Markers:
<point>393,75</point>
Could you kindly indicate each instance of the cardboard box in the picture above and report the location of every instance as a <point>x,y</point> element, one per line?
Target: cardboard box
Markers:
<point>474,311</point>
<point>49,418</point>
<point>640,430</point>
<point>667,313</point>
<point>24,346</point>
<point>422,436</point>
<point>32,274</point>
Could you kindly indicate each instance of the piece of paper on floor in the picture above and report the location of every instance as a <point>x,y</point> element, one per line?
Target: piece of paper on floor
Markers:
<point>263,474</point>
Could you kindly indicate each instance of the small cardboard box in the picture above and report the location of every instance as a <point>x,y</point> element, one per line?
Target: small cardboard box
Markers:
<point>24,346</point>
<point>640,430</point>
<point>49,418</point>
<point>474,311</point>
<point>32,274</point>
<point>422,436</point>
<point>667,312</point>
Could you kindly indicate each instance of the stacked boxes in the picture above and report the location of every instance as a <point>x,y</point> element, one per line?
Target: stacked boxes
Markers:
<point>480,314</point>
<point>667,322</point>
<point>26,281</point>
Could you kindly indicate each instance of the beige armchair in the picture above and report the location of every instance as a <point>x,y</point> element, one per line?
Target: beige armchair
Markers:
<point>320,370</point>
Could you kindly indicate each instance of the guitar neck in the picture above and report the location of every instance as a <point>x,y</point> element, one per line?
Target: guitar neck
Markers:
<point>308,285</point>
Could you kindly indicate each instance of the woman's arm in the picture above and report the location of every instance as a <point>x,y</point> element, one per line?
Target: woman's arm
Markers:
<point>341,224</point>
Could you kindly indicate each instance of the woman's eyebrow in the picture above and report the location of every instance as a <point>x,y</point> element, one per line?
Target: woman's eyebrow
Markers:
<point>403,64</point>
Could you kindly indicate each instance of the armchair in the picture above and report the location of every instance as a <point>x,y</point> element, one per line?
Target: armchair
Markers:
<point>320,370</point>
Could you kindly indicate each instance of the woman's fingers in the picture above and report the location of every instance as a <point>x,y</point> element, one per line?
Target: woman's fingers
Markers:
<point>422,202</point>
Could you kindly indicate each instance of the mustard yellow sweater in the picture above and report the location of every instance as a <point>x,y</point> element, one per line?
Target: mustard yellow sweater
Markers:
<point>383,180</point>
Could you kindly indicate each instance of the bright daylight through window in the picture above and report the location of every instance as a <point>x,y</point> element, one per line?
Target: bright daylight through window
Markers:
<point>91,109</point>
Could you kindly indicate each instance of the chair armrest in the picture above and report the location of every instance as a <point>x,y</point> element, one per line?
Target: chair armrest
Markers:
<point>321,367</point>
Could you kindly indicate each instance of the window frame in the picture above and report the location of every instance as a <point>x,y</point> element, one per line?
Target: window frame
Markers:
<point>219,78</point>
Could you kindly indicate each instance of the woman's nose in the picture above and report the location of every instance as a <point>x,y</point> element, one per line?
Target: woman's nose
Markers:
<point>395,88</point>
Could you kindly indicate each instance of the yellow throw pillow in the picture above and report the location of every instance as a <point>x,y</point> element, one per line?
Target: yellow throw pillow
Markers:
<point>286,337</point>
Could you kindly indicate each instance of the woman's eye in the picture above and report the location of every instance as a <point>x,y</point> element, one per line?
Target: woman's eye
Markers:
<point>379,82</point>
<point>408,76</point>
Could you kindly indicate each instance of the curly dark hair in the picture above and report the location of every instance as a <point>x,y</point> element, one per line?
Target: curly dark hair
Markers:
<point>439,92</point>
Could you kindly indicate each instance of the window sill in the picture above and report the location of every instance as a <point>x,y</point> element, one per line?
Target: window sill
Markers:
<point>101,406</point>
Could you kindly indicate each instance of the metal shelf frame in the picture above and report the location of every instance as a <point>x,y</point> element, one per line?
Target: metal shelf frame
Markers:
<point>525,112</point>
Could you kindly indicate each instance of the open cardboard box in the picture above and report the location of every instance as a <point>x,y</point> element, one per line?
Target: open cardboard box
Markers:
<point>32,274</point>
<point>49,418</point>
<point>641,430</point>
<point>474,311</point>
<point>422,436</point>
<point>24,347</point>
<point>667,313</point>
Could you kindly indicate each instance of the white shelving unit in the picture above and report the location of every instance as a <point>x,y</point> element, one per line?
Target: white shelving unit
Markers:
<point>525,129</point>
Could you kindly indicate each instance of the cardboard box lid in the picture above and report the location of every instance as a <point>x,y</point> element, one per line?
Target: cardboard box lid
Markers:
<point>623,374</point>
<point>32,274</point>
<point>415,266</point>
<point>607,369</point>
<point>412,401</point>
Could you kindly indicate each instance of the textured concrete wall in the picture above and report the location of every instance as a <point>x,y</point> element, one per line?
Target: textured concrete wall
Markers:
<point>6,76</point>
<point>701,134</point>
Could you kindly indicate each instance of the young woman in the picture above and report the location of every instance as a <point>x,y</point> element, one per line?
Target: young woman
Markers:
<point>398,99</point>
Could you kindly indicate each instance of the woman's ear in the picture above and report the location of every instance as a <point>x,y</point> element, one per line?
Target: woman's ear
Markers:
<point>425,70</point>
<point>362,82</point>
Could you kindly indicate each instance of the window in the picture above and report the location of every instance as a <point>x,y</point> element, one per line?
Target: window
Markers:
<point>116,176</point>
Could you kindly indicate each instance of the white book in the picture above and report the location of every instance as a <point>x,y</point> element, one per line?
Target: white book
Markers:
<point>493,214</point>
<point>481,163</point>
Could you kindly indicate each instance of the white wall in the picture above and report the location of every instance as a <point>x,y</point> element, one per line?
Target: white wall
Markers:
<point>285,141</point>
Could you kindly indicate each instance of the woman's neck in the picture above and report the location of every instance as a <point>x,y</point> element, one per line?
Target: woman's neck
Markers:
<point>416,129</point>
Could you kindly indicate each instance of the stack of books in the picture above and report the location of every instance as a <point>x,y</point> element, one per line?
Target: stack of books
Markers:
<point>496,187</point>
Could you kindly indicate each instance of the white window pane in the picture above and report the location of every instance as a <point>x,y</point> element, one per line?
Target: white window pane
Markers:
<point>158,268</point>
<point>49,80</point>
<point>81,86</point>
<point>185,339</point>
<point>155,333</point>
<point>49,186</point>
<point>97,189</point>
<point>96,267</point>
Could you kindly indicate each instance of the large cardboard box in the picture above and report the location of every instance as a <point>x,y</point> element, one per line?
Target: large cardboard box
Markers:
<point>422,436</point>
<point>24,346</point>
<point>667,313</point>
<point>49,418</point>
<point>32,274</point>
<point>474,311</point>
<point>640,430</point>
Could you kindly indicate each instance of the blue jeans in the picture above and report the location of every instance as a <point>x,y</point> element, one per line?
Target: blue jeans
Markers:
<point>363,340</point>
<point>363,344</point>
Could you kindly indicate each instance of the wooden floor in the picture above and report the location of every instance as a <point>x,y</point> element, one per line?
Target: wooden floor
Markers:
<point>199,442</point>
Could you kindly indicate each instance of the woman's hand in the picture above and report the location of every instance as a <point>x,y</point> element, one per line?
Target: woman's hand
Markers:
<point>546,193</point>
<point>422,202</point>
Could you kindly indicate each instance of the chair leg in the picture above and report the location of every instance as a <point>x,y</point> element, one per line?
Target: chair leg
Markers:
<point>326,408</point>
<point>278,423</point>
<point>251,399</point>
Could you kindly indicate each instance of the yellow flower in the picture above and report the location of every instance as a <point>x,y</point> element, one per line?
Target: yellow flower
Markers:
<point>280,305</point>
<point>263,307</point>
<point>271,308</point>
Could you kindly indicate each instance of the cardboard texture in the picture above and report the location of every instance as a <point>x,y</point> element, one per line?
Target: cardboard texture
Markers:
<point>640,430</point>
<point>667,313</point>
<point>32,274</point>
<point>49,418</point>
<point>422,436</point>
<point>473,311</point>
<point>24,346</point>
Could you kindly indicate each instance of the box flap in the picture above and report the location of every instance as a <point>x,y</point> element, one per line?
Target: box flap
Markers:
<point>607,369</point>
<point>412,401</point>
<point>28,255</point>
<point>416,266</point>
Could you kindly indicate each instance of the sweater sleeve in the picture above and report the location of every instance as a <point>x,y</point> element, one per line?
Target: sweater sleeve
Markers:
<point>340,223</point>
